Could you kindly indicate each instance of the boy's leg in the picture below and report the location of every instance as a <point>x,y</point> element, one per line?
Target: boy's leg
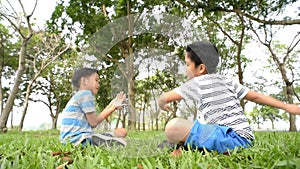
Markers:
<point>118,134</point>
<point>178,129</point>
<point>106,140</point>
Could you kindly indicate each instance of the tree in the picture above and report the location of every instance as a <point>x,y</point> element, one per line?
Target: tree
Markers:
<point>17,22</point>
<point>270,113</point>
<point>108,29</point>
<point>111,35</point>
<point>96,18</point>
<point>258,11</point>
<point>283,59</point>
<point>256,116</point>
<point>142,103</point>
<point>56,86</point>
<point>237,35</point>
<point>48,48</point>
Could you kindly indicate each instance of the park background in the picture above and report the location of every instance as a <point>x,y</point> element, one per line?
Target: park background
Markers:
<point>261,74</point>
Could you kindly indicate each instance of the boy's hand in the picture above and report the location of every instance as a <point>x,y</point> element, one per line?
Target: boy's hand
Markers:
<point>119,100</point>
<point>167,107</point>
<point>163,104</point>
<point>292,108</point>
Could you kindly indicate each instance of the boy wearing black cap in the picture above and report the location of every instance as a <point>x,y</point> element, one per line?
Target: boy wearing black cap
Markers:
<point>218,100</point>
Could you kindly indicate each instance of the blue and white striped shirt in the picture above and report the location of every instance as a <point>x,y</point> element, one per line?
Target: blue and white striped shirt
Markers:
<point>74,125</point>
<point>219,101</point>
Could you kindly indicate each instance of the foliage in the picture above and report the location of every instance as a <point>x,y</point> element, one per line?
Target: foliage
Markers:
<point>255,116</point>
<point>9,55</point>
<point>81,19</point>
<point>20,150</point>
<point>263,12</point>
<point>262,113</point>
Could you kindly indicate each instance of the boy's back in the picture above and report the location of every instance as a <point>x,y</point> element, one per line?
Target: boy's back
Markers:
<point>219,101</point>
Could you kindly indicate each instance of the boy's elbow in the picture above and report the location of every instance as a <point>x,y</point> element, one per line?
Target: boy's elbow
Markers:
<point>252,96</point>
<point>93,125</point>
<point>161,102</point>
<point>93,119</point>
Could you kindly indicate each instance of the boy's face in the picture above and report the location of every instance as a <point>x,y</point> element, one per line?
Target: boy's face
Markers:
<point>191,69</point>
<point>90,83</point>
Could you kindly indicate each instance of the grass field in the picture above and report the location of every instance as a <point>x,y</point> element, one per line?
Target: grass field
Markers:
<point>34,149</point>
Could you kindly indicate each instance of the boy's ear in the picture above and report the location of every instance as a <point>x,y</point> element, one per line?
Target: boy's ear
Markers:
<point>202,69</point>
<point>82,81</point>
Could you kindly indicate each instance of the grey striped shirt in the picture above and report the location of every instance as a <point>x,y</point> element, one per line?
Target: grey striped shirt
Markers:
<point>219,101</point>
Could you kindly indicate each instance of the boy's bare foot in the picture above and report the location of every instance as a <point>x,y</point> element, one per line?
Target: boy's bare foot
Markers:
<point>176,153</point>
<point>120,132</point>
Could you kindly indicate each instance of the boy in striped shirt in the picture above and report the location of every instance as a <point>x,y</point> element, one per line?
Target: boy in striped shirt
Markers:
<point>218,98</point>
<point>79,116</point>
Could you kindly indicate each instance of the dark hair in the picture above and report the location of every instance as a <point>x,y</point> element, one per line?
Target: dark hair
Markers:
<point>81,72</point>
<point>193,56</point>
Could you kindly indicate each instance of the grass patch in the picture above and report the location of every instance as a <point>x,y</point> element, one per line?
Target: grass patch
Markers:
<point>33,149</point>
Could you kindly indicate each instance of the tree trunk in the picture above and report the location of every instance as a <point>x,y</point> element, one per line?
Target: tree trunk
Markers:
<point>132,111</point>
<point>152,127</point>
<point>131,86</point>
<point>1,70</point>
<point>118,120</point>
<point>138,122</point>
<point>289,84</point>
<point>292,118</point>
<point>143,113</point>
<point>10,101</point>
<point>54,122</point>
<point>124,120</point>
<point>26,102</point>
<point>258,125</point>
<point>239,59</point>
<point>156,123</point>
<point>143,122</point>
<point>55,117</point>
<point>289,92</point>
<point>12,119</point>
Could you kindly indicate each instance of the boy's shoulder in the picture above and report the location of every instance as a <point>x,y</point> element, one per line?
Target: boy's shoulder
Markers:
<point>211,77</point>
<point>215,78</point>
<point>81,93</point>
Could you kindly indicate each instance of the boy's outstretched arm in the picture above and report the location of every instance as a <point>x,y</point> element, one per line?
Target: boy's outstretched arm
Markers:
<point>115,104</point>
<point>271,101</point>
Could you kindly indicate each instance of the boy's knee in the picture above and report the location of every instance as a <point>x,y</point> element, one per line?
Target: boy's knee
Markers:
<point>177,130</point>
<point>171,128</point>
<point>172,124</point>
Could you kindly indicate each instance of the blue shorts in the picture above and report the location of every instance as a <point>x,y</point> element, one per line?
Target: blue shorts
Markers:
<point>214,137</point>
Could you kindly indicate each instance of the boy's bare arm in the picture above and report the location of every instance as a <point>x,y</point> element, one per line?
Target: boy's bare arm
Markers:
<point>166,98</point>
<point>116,103</point>
<point>271,101</point>
<point>95,119</point>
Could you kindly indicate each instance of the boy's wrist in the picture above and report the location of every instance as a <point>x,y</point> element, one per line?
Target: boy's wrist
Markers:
<point>114,107</point>
<point>101,117</point>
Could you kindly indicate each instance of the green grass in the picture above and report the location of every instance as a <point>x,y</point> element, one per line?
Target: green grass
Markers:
<point>32,149</point>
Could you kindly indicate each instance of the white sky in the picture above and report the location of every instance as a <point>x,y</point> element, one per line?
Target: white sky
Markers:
<point>38,113</point>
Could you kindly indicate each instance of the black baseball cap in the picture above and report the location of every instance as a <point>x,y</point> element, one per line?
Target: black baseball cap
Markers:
<point>208,53</point>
